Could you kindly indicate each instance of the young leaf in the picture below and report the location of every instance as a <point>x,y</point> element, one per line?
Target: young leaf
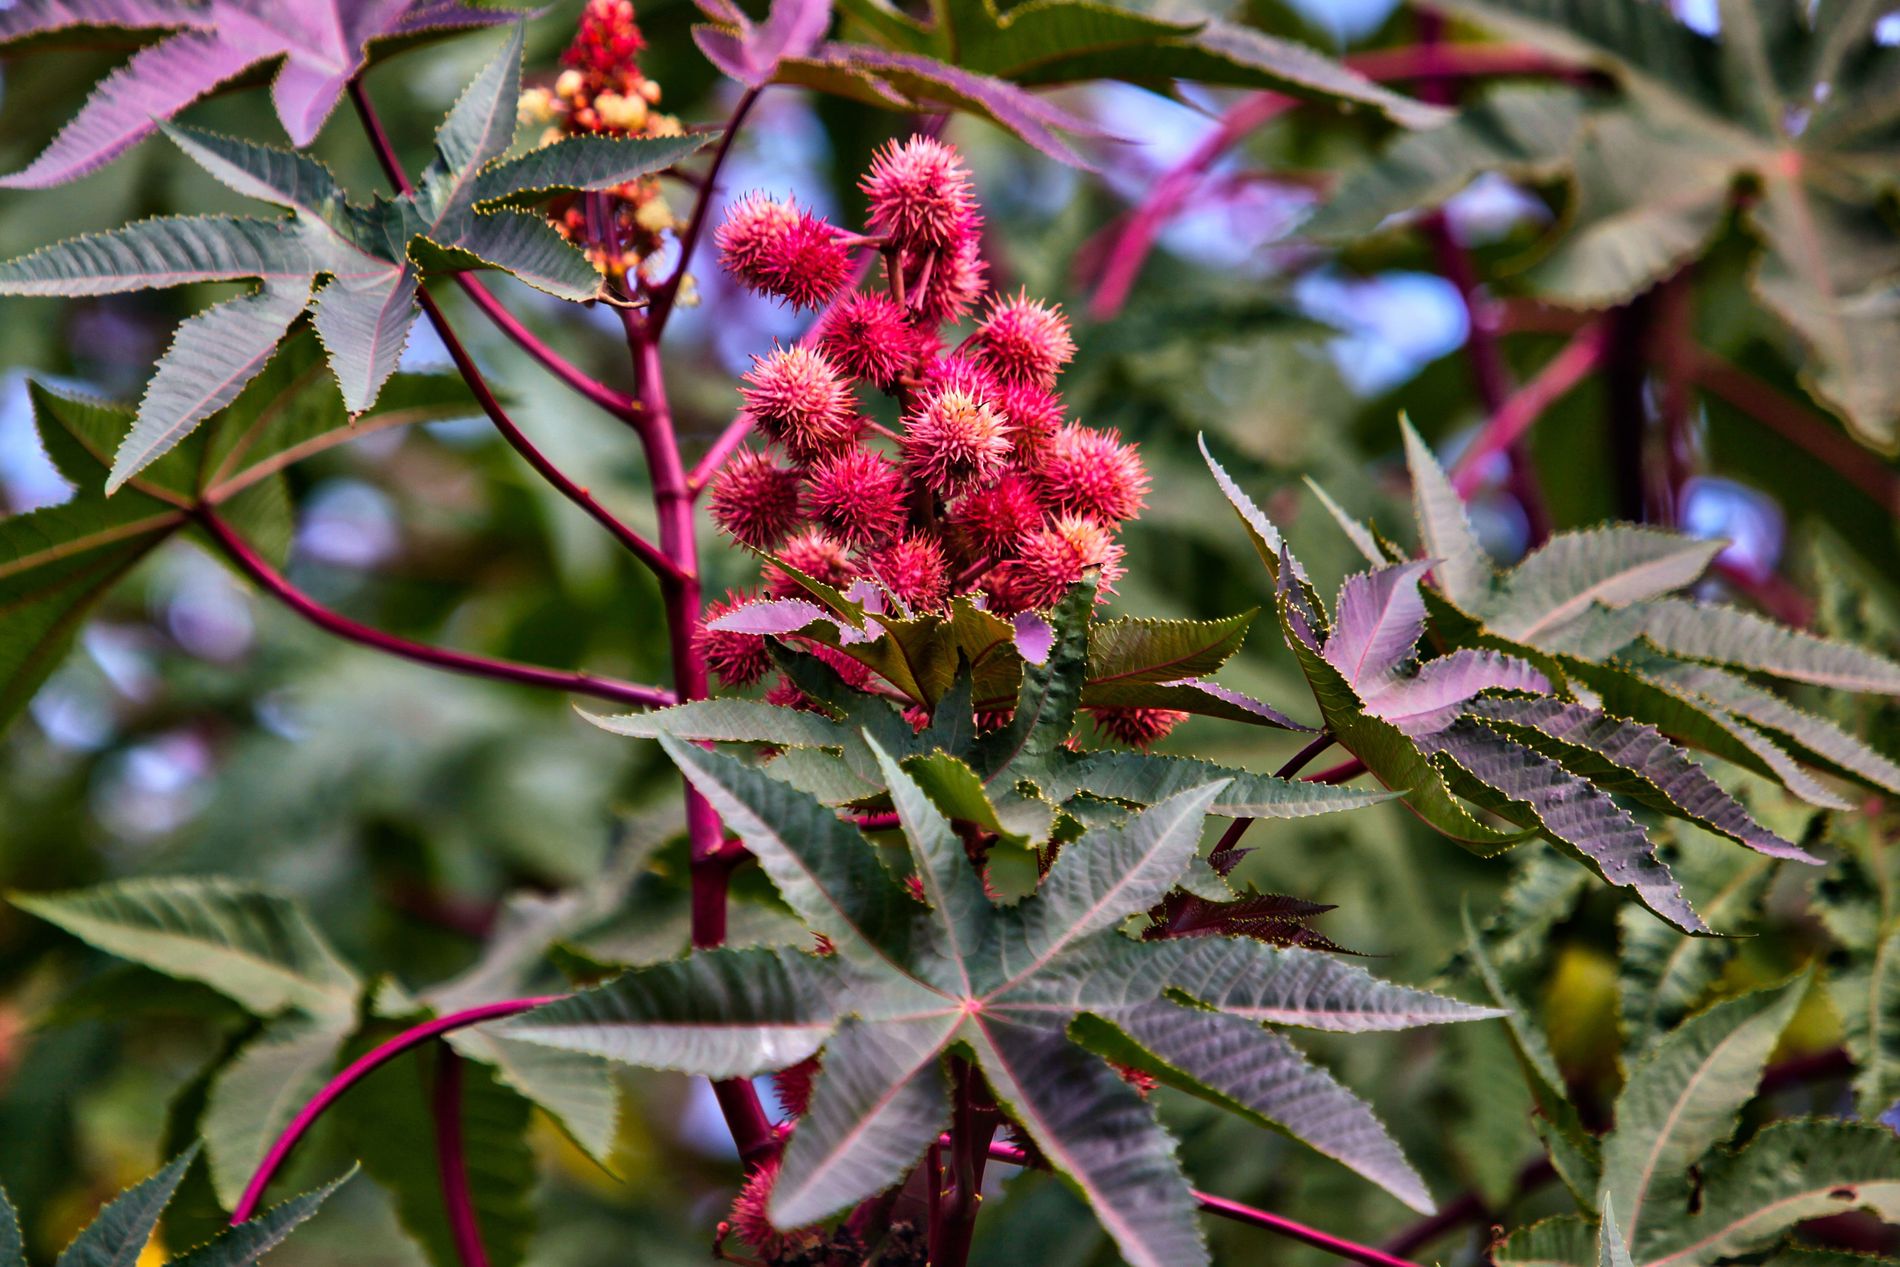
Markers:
<point>1575,572</point>
<point>1706,631</point>
<point>257,1092</point>
<point>244,941</point>
<point>1377,622</point>
<point>323,43</point>
<point>1464,571</point>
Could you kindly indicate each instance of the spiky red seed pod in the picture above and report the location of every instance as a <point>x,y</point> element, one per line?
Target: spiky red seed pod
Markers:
<point>920,194</point>
<point>955,440</point>
<point>1093,474</point>
<point>607,41</point>
<point>778,249</point>
<point>818,556</point>
<point>1136,727</point>
<point>868,337</point>
<point>1026,340</point>
<point>913,568</point>
<point>993,517</point>
<point>858,494</point>
<point>738,659</point>
<point>793,1085</point>
<point>799,400</point>
<point>755,500</point>
<point>754,227</point>
<point>950,286</point>
<point>961,372</point>
<point>750,1220</point>
<point>1049,560</point>
<point>1036,415</point>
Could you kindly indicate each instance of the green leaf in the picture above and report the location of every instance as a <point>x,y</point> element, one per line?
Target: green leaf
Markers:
<point>211,358</point>
<point>878,1102</point>
<point>722,1013</point>
<point>1574,572</point>
<point>582,163</point>
<point>245,941</point>
<point>1261,1076</point>
<point>1099,1136</point>
<point>254,1096</point>
<point>1136,650</point>
<point>950,885</point>
<point>728,721</point>
<point>1725,635</point>
<point>118,1235</point>
<point>1566,1241</point>
<point>1464,571</point>
<point>1682,1099</point>
<point>163,251</point>
<point>1526,131</point>
<point>1612,1251</point>
<point>244,1244</point>
<point>1792,1171</point>
<point>12,1248</point>
<point>1663,975</point>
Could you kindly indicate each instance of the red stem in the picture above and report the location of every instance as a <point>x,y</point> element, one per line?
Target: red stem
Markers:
<point>1796,423</point>
<point>1143,225</point>
<point>668,292</point>
<point>1337,1246</point>
<point>616,403</point>
<point>355,1072</point>
<point>1564,371</point>
<point>458,1202</point>
<point>254,566</point>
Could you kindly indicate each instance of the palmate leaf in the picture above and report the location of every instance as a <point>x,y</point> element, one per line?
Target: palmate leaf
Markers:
<point>256,1093</point>
<point>1793,103</point>
<point>1854,898</point>
<point>364,263</point>
<point>57,563</point>
<point>118,1235</point>
<point>322,44</point>
<point>247,1242</point>
<point>1013,988</point>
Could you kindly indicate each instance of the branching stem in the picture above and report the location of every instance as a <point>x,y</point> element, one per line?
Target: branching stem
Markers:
<point>253,565</point>
<point>464,1228</point>
<point>667,294</point>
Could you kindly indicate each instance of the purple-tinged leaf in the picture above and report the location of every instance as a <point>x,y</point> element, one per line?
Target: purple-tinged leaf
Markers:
<point>751,53</point>
<point>1035,637</point>
<point>1432,700</point>
<point>925,81</point>
<point>1628,756</point>
<point>772,616</point>
<point>1377,621</point>
<point>1532,789</point>
<point>322,43</point>
<point>1190,695</point>
<point>364,326</point>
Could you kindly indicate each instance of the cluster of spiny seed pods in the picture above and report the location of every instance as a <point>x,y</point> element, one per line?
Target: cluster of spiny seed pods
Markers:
<point>983,487</point>
<point>602,92</point>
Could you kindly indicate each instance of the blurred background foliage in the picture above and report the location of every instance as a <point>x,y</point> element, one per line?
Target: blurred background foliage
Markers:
<point>197,727</point>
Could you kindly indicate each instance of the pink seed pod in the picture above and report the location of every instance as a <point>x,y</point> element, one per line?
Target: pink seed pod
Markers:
<point>920,195</point>
<point>949,286</point>
<point>954,440</point>
<point>868,337</point>
<point>738,659</point>
<point>1026,340</point>
<point>777,249</point>
<point>913,568</point>
<point>750,1220</point>
<point>1050,560</point>
<point>858,494</point>
<point>992,518</point>
<point>1136,727</point>
<point>1035,414</point>
<point>798,399</point>
<point>1093,474</point>
<point>755,500</point>
<point>816,555</point>
<point>962,372</point>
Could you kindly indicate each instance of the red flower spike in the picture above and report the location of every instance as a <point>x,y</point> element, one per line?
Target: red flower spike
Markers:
<point>608,40</point>
<point>994,517</point>
<point>920,195</point>
<point>738,659</point>
<point>798,399</point>
<point>955,440</point>
<point>914,569</point>
<point>1093,474</point>
<point>1136,727</point>
<point>817,556</point>
<point>1050,560</point>
<point>755,500</point>
<point>859,495</point>
<point>868,337</point>
<point>1026,340</point>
